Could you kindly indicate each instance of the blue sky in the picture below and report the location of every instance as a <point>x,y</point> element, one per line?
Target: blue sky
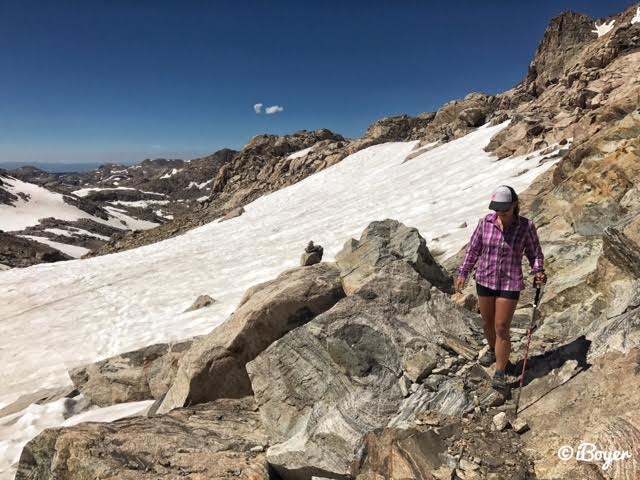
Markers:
<point>84,81</point>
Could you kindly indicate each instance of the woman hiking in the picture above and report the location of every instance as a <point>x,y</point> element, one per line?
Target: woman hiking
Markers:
<point>499,241</point>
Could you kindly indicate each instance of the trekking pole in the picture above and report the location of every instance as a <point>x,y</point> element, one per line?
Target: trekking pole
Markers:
<point>532,326</point>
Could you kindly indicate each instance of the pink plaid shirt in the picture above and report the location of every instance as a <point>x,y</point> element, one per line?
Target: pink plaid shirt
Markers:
<point>500,254</point>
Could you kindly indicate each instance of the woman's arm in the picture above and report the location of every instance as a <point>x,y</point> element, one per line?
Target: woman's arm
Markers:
<point>533,250</point>
<point>473,252</point>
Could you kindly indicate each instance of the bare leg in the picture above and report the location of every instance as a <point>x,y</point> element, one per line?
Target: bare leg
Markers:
<point>487,311</point>
<point>505,308</point>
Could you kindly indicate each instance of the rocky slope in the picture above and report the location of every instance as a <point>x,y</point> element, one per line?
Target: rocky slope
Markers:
<point>137,197</point>
<point>382,380</point>
<point>267,163</point>
<point>375,376</point>
<point>42,224</point>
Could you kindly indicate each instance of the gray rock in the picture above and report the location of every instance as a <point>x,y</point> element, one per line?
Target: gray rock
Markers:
<point>323,385</point>
<point>214,366</point>
<point>519,425</point>
<point>383,242</point>
<point>213,440</point>
<point>40,397</point>
<point>405,385</point>
<point>201,302</point>
<point>234,212</point>
<point>620,244</point>
<point>418,365</point>
<point>142,374</point>
<point>500,421</point>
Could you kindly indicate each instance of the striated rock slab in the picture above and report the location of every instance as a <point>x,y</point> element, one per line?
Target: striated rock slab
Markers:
<point>322,386</point>
<point>217,440</point>
<point>129,377</point>
<point>621,244</point>
<point>214,366</point>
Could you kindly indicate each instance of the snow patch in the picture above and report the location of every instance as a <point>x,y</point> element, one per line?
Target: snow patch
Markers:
<point>300,153</point>
<point>139,203</point>
<point>41,203</point>
<point>199,185</point>
<point>604,28</point>
<point>130,222</point>
<point>59,231</point>
<point>160,213</point>
<point>636,18</point>
<point>83,192</point>
<point>71,250</point>
<point>171,174</point>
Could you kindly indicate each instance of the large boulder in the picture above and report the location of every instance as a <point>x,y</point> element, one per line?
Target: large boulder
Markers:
<point>214,366</point>
<point>598,405</point>
<point>142,374</point>
<point>381,243</point>
<point>219,440</point>
<point>322,386</point>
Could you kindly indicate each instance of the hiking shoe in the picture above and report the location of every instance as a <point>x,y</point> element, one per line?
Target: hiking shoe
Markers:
<point>500,383</point>
<point>488,358</point>
<point>511,369</point>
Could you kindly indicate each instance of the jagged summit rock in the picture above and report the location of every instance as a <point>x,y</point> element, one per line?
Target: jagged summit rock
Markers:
<point>383,242</point>
<point>559,50</point>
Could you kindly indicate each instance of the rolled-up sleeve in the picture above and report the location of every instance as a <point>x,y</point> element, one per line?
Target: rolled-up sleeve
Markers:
<point>533,249</point>
<point>473,252</point>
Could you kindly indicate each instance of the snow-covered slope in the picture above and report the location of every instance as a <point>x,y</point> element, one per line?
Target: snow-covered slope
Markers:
<point>35,202</point>
<point>26,204</point>
<point>56,316</point>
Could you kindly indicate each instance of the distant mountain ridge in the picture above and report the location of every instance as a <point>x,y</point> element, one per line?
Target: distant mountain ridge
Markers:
<point>53,167</point>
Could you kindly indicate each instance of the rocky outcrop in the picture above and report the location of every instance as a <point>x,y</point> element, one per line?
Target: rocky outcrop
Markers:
<point>383,242</point>
<point>138,375</point>
<point>266,164</point>
<point>442,447</point>
<point>559,51</point>
<point>6,196</point>
<point>214,366</point>
<point>322,386</point>
<point>453,120</point>
<point>621,244</point>
<point>598,405</point>
<point>22,252</point>
<point>219,440</point>
<point>577,82</point>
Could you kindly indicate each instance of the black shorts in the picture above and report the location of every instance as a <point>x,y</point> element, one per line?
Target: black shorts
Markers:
<point>489,292</point>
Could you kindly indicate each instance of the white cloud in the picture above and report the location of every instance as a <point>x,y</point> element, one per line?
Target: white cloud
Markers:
<point>273,109</point>
<point>258,107</point>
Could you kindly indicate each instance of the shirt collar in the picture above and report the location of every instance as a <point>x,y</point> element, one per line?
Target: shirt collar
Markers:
<point>493,218</point>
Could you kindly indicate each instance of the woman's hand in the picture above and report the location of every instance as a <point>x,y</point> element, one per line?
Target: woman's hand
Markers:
<point>539,279</point>
<point>459,284</point>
